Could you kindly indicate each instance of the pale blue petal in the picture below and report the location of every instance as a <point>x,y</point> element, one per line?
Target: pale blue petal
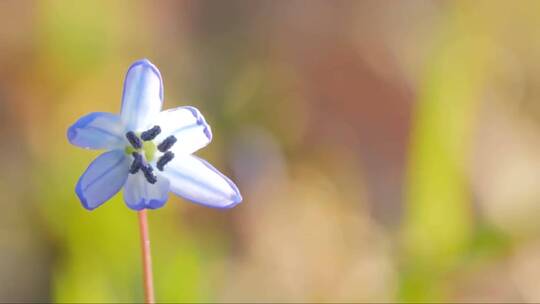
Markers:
<point>140,194</point>
<point>188,126</point>
<point>103,179</point>
<point>143,95</point>
<point>196,180</point>
<point>97,131</point>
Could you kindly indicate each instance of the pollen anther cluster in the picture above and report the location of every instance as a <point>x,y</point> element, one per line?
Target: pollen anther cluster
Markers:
<point>141,158</point>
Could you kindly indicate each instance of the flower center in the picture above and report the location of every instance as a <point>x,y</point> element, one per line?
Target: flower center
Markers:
<point>148,149</point>
<point>143,150</point>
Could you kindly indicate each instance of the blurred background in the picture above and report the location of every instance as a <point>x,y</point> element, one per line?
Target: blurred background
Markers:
<point>386,151</point>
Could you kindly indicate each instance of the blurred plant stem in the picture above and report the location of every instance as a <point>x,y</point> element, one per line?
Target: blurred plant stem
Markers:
<point>147,258</point>
<point>438,224</point>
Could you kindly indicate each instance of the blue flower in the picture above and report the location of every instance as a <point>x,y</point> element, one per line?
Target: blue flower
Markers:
<point>149,151</point>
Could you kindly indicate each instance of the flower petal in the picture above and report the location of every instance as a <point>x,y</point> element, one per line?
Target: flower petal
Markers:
<point>103,179</point>
<point>188,126</point>
<point>143,95</point>
<point>196,180</point>
<point>97,131</point>
<point>140,194</point>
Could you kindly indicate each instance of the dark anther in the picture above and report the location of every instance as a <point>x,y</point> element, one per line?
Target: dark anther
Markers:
<point>164,159</point>
<point>149,174</point>
<point>150,133</point>
<point>136,164</point>
<point>134,140</point>
<point>167,143</point>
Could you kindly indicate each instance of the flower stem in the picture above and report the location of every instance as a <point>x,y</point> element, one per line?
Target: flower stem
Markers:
<point>147,258</point>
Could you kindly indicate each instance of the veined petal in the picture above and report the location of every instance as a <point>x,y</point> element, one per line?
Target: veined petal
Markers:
<point>143,95</point>
<point>97,130</point>
<point>188,126</point>
<point>103,179</point>
<point>140,194</point>
<point>196,180</point>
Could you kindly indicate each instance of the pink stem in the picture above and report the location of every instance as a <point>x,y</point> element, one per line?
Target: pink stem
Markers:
<point>147,258</point>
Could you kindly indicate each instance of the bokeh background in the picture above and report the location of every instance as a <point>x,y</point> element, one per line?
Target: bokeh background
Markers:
<point>386,151</point>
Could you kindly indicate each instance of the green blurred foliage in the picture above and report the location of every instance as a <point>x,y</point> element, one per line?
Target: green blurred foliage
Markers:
<point>438,227</point>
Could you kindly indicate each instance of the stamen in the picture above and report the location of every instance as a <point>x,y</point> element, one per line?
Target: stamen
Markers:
<point>164,159</point>
<point>150,133</point>
<point>134,140</point>
<point>149,174</point>
<point>167,143</point>
<point>136,164</point>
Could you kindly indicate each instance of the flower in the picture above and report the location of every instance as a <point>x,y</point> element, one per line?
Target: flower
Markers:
<point>148,150</point>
